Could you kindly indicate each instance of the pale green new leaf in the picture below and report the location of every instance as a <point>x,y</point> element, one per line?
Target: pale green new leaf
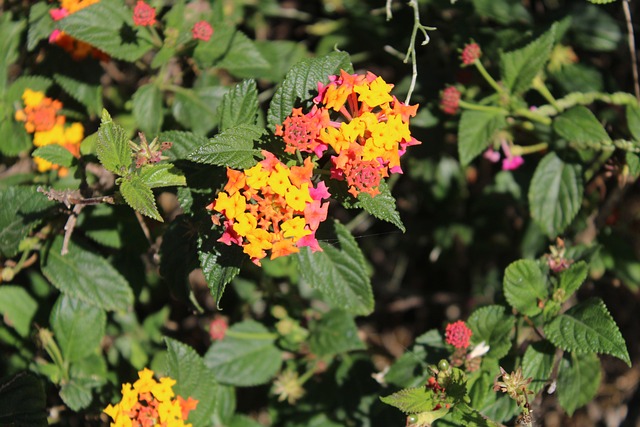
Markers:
<point>55,154</point>
<point>524,286</point>
<point>412,400</point>
<point>475,132</point>
<point>147,109</point>
<point>112,146</point>
<point>537,364</point>
<point>382,206</point>
<point>233,148</point>
<point>572,278</point>
<point>162,175</point>
<point>17,308</point>
<point>633,120</point>
<point>301,84</point>
<point>581,126</point>
<point>578,380</point>
<point>247,356</point>
<point>86,276</point>
<point>88,95</point>
<point>493,325</point>
<point>339,272</point>
<point>335,333</point>
<point>193,379</point>
<point>139,196</point>
<point>243,59</point>
<point>78,327</point>
<point>588,328</point>
<point>519,67</point>
<point>239,106</point>
<point>108,25</point>
<point>555,194</point>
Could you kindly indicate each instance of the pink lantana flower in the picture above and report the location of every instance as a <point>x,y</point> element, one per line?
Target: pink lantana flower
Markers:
<point>144,15</point>
<point>202,30</point>
<point>458,334</point>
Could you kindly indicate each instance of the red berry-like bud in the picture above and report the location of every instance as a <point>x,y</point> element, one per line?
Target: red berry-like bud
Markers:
<point>143,14</point>
<point>458,334</point>
<point>218,328</point>
<point>471,53</point>
<point>202,30</point>
<point>450,100</point>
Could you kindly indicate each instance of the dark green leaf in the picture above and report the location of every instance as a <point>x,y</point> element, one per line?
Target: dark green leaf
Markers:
<point>22,401</point>
<point>382,206</point>
<point>335,333</point>
<point>207,53</point>
<point>572,278</point>
<point>88,95</point>
<point>17,308</point>
<point>78,327</point>
<point>108,25</point>
<point>537,364</point>
<point>503,11</point>
<point>555,194</point>
<point>139,196</point>
<point>246,356</point>
<point>178,255</point>
<point>193,379</point>
<point>239,106</point>
<point>243,59</point>
<point>464,415</point>
<point>147,109</point>
<point>84,275</point>
<point>40,25</point>
<point>580,125</point>
<point>492,325</point>
<point>519,67</point>
<point>524,286</point>
<point>578,380</point>
<point>475,131</point>
<point>633,120</point>
<point>301,83</point>
<point>412,400</point>
<point>588,328</point>
<point>281,55</point>
<point>219,267</point>
<point>162,175</point>
<point>112,147</point>
<point>55,154</point>
<point>35,83</point>
<point>594,29</point>
<point>339,272</point>
<point>232,148</point>
<point>183,143</point>
<point>196,109</point>
<point>10,31</point>
<point>633,163</point>
<point>14,137</point>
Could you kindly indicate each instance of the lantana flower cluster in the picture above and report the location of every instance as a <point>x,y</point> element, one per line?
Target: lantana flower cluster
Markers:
<point>149,403</point>
<point>271,207</point>
<point>41,117</point>
<point>76,48</point>
<point>366,128</point>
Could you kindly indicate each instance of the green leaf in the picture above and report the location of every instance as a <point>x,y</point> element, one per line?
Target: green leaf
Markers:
<point>594,29</point>
<point>178,255</point>
<point>239,106</point>
<point>633,120</point>
<point>162,175</point>
<point>10,36</point>
<point>246,356</point>
<point>196,109</point>
<point>88,95</point>
<point>139,196</point>
<point>78,327</point>
<point>219,266</point>
<point>14,137</point>
<point>22,401</point>
<point>555,194</point>
<point>76,393</point>
<point>56,154</point>
<point>633,163</point>
<point>588,328</point>
<point>580,125</point>
<point>519,67</point>
<point>232,148</point>
<point>503,11</point>
<point>537,364</point>
<point>475,131</point>
<point>17,308</point>
<point>601,1</point>
<point>464,415</point>
<point>339,272</point>
<point>301,84</point>
<point>84,275</point>
<point>40,25</point>
<point>243,59</point>
<point>108,25</point>
<point>147,109</point>
<point>183,143</point>
<point>493,325</point>
<point>193,379</point>
<point>281,55</point>
<point>578,380</point>
<point>382,206</point>
<point>524,286</point>
<point>335,333</point>
<point>412,400</point>
<point>35,83</point>
<point>21,209</point>
<point>112,147</point>
<point>224,404</point>
<point>572,278</point>
<point>207,53</point>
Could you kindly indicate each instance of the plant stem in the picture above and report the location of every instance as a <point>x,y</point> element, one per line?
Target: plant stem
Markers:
<point>518,150</point>
<point>533,116</point>
<point>632,47</point>
<point>477,107</point>
<point>251,335</point>
<point>542,89</point>
<point>494,84</point>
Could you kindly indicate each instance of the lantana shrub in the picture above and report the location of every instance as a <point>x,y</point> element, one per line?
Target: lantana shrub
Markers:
<point>218,213</point>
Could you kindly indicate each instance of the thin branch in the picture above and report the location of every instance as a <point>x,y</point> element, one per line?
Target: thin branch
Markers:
<point>632,47</point>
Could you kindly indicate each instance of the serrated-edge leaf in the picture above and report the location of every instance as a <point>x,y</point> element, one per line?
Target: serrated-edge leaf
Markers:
<point>578,381</point>
<point>339,272</point>
<point>555,194</point>
<point>242,58</point>
<point>139,196</point>
<point>88,95</point>
<point>411,400</point>
<point>35,83</point>
<point>572,278</point>
<point>588,328</point>
<point>232,148</point>
<point>537,364</point>
<point>40,25</point>
<point>182,143</point>
<point>147,109</point>
<point>578,124</point>
<point>217,276</point>
<point>524,285</point>
<point>239,106</point>
<point>335,333</point>
<point>112,146</point>
<point>492,325</point>
<point>382,206</point>
<point>162,175</point>
<point>301,82</point>
<point>475,131</point>
<point>55,154</point>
